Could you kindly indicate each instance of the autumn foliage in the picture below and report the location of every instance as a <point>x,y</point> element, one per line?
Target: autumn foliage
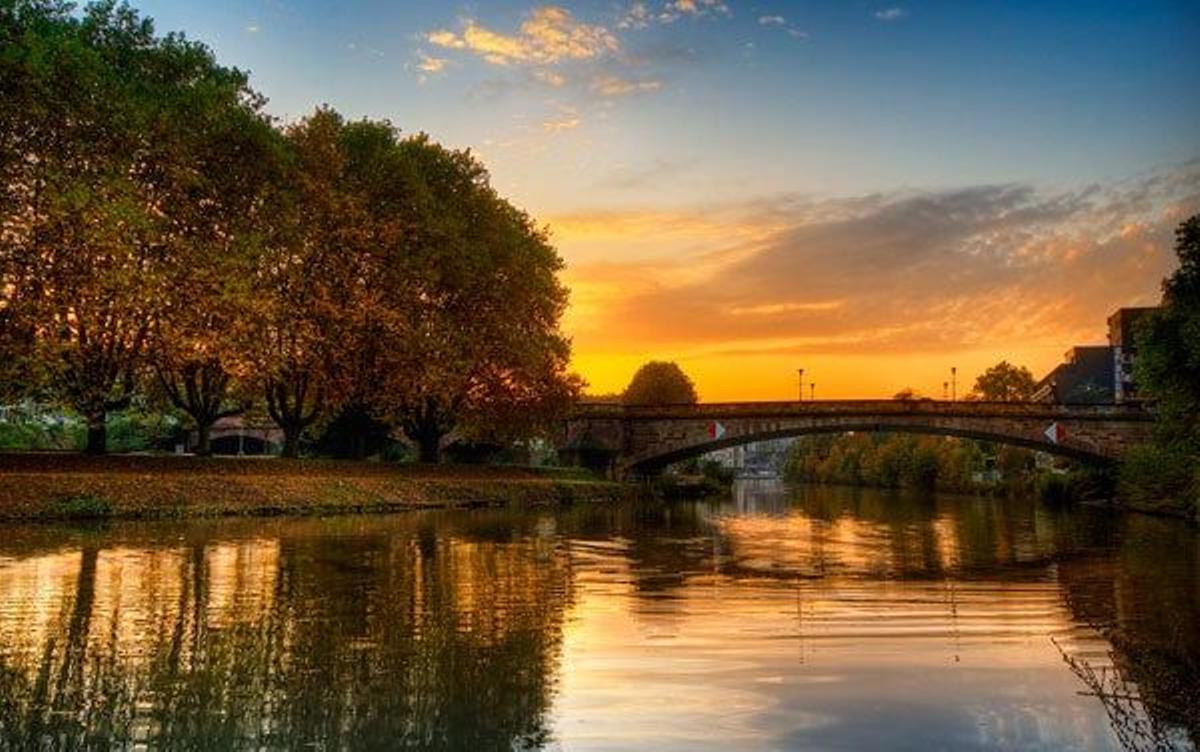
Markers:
<point>163,239</point>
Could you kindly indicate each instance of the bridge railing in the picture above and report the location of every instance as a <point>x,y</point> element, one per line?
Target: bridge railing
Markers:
<point>830,408</point>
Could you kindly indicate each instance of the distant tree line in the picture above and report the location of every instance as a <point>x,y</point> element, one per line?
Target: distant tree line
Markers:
<point>163,239</point>
<point>896,460</point>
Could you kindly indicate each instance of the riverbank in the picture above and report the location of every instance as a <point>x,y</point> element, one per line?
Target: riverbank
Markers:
<point>50,486</point>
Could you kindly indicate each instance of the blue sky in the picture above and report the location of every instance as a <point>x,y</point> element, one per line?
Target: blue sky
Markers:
<point>671,144</point>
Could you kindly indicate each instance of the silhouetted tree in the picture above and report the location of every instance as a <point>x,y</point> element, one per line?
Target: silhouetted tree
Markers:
<point>1005,382</point>
<point>660,383</point>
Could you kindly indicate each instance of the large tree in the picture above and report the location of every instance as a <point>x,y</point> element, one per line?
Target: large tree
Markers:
<point>660,383</point>
<point>99,127</point>
<point>1005,382</point>
<point>206,290</point>
<point>306,286</point>
<point>472,305</point>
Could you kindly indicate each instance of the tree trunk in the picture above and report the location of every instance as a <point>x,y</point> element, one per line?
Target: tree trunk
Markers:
<point>203,438</point>
<point>429,446</point>
<point>97,433</point>
<point>291,442</point>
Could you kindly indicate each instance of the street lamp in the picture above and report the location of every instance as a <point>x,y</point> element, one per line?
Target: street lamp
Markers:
<point>812,391</point>
<point>945,390</point>
<point>953,383</point>
<point>800,380</point>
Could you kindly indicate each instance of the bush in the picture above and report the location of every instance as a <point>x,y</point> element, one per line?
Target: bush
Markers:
<point>1161,479</point>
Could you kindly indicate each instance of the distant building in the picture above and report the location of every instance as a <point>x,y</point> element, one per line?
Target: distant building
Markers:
<point>1097,374</point>
<point>1122,332</point>
<point>1084,377</point>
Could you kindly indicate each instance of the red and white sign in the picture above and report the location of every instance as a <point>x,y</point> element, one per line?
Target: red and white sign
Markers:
<point>715,430</point>
<point>1055,433</point>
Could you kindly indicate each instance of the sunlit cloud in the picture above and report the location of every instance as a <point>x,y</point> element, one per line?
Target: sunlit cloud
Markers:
<point>548,35</point>
<point>677,8</point>
<point>430,64</point>
<point>894,13</point>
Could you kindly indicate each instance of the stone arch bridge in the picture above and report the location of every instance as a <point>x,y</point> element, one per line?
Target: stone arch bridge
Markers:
<point>641,440</point>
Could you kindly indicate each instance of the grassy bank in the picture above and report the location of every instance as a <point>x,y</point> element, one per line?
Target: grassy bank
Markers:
<point>69,486</point>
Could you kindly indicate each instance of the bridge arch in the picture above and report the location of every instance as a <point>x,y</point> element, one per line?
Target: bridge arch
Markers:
<point>655,462</point>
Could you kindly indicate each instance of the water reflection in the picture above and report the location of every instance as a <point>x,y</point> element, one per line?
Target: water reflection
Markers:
<point>818,618</point>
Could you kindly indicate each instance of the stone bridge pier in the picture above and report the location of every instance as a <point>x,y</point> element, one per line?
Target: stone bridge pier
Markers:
<point>624,441</point>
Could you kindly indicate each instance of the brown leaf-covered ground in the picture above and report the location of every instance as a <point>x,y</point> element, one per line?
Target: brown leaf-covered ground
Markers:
<point>59,486</point>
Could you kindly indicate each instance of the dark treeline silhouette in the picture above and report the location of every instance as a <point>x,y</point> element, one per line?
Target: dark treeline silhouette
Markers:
<point>164,242</point>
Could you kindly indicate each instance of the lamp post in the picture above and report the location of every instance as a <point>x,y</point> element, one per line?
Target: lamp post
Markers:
<point>800,380</point>
<point>945,390</point>
<point>953,383</point>
<point>812,391</point>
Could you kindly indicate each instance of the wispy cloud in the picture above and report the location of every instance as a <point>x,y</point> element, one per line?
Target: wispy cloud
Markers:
<point>550,77</point>
<point>895,13</point>
<point>782,23</point>
<point>614,86</point>
<point>566,121</point>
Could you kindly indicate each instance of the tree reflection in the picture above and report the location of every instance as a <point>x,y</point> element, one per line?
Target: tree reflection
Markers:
<point>363,640</point>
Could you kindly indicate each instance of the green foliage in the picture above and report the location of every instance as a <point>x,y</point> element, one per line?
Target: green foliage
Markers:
<point>1156,478</point>
<point>24,427</point>
<point>893,460</point>
<point>1081,484</point>
<point>1167,371</point>
<point>142,430</point>
<point>660,383</point>
<point>1167,368</point>
<point>717,472</point>
<point>1005,382</point>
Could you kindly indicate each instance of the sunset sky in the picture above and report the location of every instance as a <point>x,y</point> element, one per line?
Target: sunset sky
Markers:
<point>872,191</point>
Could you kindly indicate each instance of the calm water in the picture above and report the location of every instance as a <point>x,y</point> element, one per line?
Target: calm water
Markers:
<point>821,618</point>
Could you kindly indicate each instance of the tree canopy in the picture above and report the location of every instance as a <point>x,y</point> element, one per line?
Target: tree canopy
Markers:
<point>1005,382</point>
<point>161,237</point>
<point>660,383</point>
<point>1167,368</point>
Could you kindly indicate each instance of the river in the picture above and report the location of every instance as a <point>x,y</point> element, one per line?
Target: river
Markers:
<point>815,618</point>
